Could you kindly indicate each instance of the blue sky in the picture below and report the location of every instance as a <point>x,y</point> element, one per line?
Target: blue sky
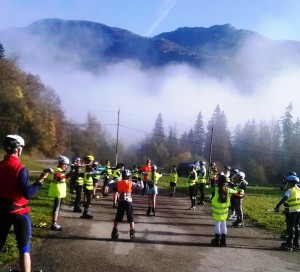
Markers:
<point>277,19</point>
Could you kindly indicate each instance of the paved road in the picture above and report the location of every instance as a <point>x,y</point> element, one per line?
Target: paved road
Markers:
<point>176,239</point>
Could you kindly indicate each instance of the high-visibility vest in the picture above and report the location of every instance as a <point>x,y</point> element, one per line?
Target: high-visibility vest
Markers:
<point>117,175</point>
<point>202,176</point>
<point>58,187</point>
<point>192,178</point>
<point>173,176</point>
<point>107,171</point>
<point>153,177</point>
<point>294,200</point>
<point>220,210</point>
<point>88,181</point>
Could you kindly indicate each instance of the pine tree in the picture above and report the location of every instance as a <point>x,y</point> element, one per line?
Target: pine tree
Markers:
<point>221,138</point>
<point>199,135</point>
<point>2,51</point>
<point>287,134</point>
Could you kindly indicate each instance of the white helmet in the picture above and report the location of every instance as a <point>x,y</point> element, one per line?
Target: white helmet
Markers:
<point>126,173</point>
<point>241,175</point>
<point>13,141</point>
<point>63,159</point>
<point>153,167</point>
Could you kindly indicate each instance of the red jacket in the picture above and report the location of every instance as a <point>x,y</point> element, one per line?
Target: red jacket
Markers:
<point>145,169</point>
<point>11,198</point>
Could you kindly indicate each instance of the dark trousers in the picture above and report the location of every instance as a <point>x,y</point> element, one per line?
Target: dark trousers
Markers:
<point>78,189</point>
<point>293,219</point>
<point>88,194</point>
<point>145,186</point>
<point>238,206</point>
<point>193,194</point>
<point>201,190</point>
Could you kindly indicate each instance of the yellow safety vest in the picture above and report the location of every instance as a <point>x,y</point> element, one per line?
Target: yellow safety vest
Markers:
<point>294,200</point>
<point>58,188</point>
<point>173,176</point>
<point>220,210</point>
<point>88,181</point>
<point>202,177</point>
<point>153,177</point>
<point>192,180</point>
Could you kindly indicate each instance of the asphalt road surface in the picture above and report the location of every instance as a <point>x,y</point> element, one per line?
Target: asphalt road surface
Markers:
<point>176,239</point>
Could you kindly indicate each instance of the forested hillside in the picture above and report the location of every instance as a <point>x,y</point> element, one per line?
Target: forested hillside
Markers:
<point>33,110</point>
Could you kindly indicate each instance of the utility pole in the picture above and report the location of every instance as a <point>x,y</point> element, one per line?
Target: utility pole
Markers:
<point>210,151</point>
<point>117,143</point>
<point>70,136</point>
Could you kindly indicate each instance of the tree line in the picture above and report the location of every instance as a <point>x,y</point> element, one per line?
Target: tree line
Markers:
<point>263,150</point>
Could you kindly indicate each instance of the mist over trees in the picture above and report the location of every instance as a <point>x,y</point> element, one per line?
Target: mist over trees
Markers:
<point>263,150</point>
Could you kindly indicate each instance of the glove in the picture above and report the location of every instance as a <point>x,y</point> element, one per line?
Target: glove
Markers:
<point>48,171</point>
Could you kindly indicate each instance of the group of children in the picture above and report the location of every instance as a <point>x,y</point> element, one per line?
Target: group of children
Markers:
<point>84,178</point>
<point>227,191</point>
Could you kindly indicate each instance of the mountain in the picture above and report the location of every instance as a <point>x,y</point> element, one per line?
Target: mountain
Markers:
<point>244,56</point>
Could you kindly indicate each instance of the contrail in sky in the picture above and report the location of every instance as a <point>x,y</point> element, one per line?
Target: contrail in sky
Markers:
<point>162,13</point>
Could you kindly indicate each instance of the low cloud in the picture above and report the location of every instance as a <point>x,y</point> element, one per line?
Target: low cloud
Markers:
<point>178,92</point>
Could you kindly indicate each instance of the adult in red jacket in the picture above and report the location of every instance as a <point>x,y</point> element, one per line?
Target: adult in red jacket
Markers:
<point>145,169</point>
<point>14,194</point>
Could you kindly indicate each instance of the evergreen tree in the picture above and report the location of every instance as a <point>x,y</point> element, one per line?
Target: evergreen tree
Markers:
<point>287,134</point>
<point>158,130</point>
<point>221,138</point>
<point>2,51</point>
<point>199,135</point>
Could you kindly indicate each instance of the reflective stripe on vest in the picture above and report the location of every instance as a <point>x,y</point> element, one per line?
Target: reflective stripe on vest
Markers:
<point>88,181</point>
<point>192,178</point>
<point>80,181</point>
<point>173,176</point>
<point>294,200</point>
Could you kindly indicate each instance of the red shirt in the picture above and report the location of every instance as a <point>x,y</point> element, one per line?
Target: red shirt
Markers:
<point>145,169</point>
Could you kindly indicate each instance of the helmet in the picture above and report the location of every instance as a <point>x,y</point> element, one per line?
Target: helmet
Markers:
<point>13,141</point>
<point>75,159</point>
<point>88,159</point>
<point>154,168</point>
<point>227,167</point>
<point>235,171</point>
<point>63,159</point>
<point>126,173</point>
<point>95,163</point>
<point>292,179</point>
<point>292,174</point>
<point>241,175</point>
<point>202,163</point>
<point>148,161</point>
<point>213,164</point>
